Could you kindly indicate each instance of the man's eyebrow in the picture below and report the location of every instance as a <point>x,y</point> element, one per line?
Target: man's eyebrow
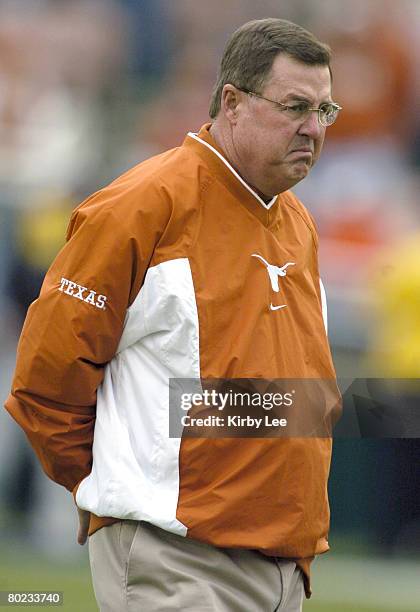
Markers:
<point>302,98</point>
<point>297,97</point>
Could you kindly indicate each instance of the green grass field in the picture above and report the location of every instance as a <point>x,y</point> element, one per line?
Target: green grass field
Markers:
<point>340,584</point>
<point>24,568</point>
<point>22,572</point>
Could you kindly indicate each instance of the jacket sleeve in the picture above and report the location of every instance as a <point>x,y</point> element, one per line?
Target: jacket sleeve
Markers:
<point>72,330</point>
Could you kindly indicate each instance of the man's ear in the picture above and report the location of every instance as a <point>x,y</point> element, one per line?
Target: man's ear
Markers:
<point>229,102</point>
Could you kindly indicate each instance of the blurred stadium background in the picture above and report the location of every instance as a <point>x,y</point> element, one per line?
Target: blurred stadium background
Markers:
<point>88,88</point>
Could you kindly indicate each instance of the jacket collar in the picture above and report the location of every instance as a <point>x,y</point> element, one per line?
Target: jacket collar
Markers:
<point>205,146</point>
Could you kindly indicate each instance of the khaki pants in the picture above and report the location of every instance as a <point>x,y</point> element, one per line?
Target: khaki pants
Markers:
<point>137,567</point>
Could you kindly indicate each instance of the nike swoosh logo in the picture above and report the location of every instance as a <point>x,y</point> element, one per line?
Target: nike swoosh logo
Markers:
<point>277,307</point>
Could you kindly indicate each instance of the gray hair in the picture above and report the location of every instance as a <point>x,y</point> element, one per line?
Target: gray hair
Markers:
<point>252,48</point>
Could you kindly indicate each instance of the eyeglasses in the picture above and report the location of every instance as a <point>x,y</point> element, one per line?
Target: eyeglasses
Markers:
<point>327,112</point>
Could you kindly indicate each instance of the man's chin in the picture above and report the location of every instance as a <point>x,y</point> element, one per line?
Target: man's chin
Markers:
<point>295,172</point>
<point>299,171</point>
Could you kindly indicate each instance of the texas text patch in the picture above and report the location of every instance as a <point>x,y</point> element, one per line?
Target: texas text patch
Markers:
<point>82,293</point>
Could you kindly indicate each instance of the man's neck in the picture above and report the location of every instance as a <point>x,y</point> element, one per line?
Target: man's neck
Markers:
<point>224,145</point>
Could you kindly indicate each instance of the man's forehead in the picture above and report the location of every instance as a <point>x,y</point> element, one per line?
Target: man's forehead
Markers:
<point>292,77</point>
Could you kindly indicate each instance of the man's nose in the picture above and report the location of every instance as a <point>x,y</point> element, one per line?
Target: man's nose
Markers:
<point>311,126</point>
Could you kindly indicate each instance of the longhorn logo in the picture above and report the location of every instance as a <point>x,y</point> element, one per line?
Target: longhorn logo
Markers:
<point>274,272</point>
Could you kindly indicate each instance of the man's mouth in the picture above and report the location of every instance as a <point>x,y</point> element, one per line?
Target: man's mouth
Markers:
<point>302,150</point>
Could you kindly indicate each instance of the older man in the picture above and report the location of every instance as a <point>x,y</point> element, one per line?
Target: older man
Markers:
<point>172,272</point>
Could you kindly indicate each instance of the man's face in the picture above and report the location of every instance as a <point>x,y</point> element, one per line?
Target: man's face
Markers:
<point>273,151</point>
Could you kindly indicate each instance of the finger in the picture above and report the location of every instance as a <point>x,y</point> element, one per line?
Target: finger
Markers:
<point>82,533</point>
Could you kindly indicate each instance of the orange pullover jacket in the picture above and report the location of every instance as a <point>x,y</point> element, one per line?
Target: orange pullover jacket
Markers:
<point>165,274</point>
